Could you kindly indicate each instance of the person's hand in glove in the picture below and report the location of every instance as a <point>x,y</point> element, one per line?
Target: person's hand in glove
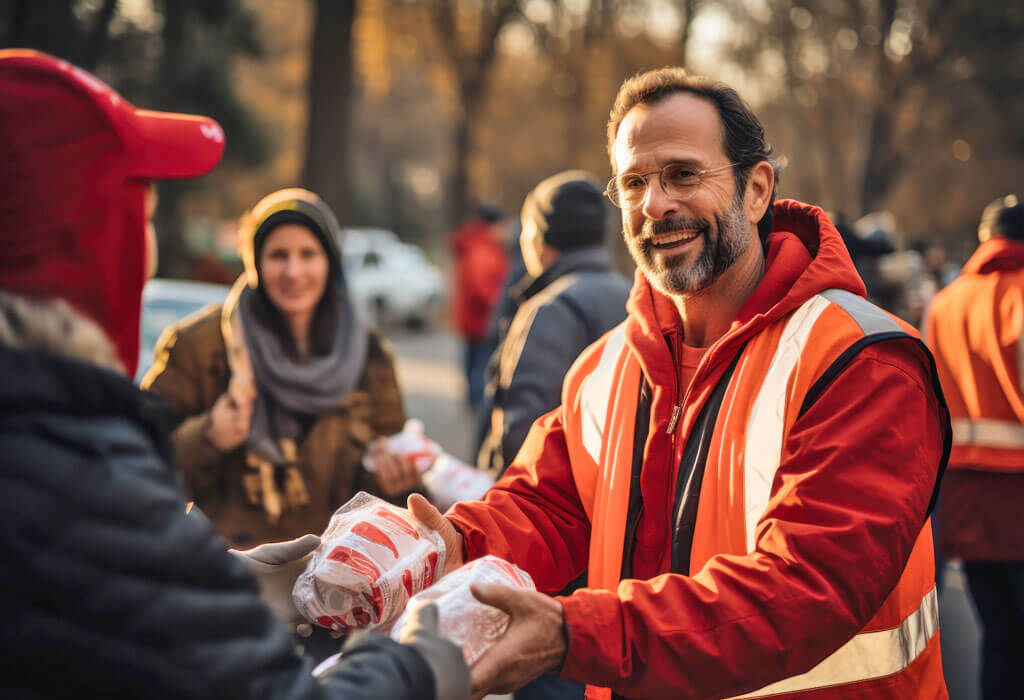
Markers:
<point>451,674</point>
<point>367,654</point>
<point>276,565</point>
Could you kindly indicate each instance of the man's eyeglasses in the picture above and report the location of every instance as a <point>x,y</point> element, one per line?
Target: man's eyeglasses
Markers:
<point>678,182</point>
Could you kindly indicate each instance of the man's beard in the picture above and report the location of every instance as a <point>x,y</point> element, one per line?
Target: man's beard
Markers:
<point>672,275</point>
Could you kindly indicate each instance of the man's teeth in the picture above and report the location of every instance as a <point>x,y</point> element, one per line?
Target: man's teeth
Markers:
<point>673,238</point>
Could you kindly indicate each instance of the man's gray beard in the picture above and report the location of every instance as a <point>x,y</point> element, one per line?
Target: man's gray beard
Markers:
<point>675,278</point>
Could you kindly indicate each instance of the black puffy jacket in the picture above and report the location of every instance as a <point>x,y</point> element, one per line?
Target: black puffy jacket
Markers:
<point>108,589</point>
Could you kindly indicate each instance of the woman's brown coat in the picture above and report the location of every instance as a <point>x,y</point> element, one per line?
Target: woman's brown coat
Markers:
<point>191,372</point>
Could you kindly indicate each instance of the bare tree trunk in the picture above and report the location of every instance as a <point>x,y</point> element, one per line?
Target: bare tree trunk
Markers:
<point>458,184</point>
<point>47,25</point>
<point>689,8</point>
<point>881,161</point>
<point>326,166</point>
<point>98,35</point>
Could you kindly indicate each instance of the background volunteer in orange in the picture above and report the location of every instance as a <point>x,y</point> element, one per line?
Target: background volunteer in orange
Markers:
<point>975,327</point>
<point>744,467</point>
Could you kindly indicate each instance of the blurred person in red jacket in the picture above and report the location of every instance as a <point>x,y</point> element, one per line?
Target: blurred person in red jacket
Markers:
<point>109,587</point>
<point>744,467</point>
<point>481,264</point>
<point>975,327</point>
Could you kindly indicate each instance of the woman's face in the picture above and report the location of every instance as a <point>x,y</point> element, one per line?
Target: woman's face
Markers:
<point>293,269</point>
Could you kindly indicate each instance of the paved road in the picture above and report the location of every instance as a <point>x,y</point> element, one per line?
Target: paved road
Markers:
<point>430,373</point>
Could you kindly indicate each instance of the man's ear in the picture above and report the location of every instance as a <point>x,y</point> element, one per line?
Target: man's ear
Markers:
<point>760,184</point>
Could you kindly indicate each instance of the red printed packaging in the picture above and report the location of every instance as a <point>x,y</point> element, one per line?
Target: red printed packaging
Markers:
<point>462,618</point>
<point>372,559</point>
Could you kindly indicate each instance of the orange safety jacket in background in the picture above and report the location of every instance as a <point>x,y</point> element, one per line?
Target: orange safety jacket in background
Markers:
<point>798,564</point>
<point>975,327</point>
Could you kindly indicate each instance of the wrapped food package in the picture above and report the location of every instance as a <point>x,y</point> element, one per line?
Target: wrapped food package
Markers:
<point>446,479</point>
<point>462,618</point>
<point>449,481</point>
<point>372,559</point>
<point>412,444</point>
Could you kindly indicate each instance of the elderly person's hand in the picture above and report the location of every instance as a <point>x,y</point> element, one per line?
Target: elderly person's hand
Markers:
<point>396,475</point>
<point>276,566</point>
<point>534,643</point>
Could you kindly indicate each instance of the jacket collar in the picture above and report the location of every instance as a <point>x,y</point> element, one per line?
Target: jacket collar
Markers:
<point>805,255</point>
<point>33,380</point>
<point>997,253</point>
<point>591,259</point>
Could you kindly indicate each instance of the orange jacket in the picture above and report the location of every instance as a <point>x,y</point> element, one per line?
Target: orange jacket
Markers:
<point>748,599</point>
<point>975,327</point>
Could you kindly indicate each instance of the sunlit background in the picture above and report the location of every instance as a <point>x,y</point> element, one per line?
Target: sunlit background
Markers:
<point>418,109</point>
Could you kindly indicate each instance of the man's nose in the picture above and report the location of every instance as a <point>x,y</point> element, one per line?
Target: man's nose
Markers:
<point>657,205</point>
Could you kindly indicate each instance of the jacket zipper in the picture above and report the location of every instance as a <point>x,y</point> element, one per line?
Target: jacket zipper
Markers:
<point>676,348</point>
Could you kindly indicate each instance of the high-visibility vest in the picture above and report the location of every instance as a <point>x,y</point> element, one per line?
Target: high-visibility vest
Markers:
<point>780,369</point>
<point>976,330</point>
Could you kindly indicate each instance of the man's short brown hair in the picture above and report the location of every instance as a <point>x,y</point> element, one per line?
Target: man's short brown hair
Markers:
<point>743,137</point>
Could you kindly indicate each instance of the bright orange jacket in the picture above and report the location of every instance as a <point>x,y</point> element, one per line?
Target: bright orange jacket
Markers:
<point>724,583</point>
<point>975,327</point>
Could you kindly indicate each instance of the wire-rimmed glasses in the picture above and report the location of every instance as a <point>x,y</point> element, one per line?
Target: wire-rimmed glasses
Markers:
<point>679,181</point>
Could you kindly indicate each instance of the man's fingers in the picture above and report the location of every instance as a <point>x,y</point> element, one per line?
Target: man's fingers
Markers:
<point>424,511</point>
<point>486,669</point>
<point>505,598</point>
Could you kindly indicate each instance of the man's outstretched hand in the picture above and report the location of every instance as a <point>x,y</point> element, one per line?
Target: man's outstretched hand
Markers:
<point>424,511</point>
<point>533,644</point>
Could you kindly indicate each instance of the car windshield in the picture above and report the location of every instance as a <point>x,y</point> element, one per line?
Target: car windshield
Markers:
<point>161,313</point>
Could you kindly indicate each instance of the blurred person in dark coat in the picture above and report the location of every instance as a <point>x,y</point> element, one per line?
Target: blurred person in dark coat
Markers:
<point>481,264</point>
<point>570,297</point>
<point>108,587</point>
<point>279,392</point>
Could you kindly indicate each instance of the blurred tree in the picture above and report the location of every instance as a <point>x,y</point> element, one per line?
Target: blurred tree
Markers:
<point>327,166</point>
<point>871,92</point>
<point>466,35</point>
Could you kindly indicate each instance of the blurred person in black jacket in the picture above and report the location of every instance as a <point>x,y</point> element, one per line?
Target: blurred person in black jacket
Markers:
<point>569,298</point>
<point>108,588</point>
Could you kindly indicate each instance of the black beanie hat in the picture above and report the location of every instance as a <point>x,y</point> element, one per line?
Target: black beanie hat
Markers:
<point>292,205</point>
<point>568,210</point>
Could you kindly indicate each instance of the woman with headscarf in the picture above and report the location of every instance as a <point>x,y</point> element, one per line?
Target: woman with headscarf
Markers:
<point>281,391</point>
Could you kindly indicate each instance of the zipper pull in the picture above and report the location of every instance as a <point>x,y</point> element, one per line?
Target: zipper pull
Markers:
<point>677,411</point>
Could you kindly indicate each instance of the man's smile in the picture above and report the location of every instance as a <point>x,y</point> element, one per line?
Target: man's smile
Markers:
<point>674,239</point>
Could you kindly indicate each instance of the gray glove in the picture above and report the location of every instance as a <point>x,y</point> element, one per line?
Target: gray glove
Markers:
<point>451,674</point>
<point>276,565</point>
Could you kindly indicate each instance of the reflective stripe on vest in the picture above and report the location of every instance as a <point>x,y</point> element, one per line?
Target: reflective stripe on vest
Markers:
<point>869,654</point>
<point>765,427</point>
<point>595,393</point>
<point>988,433</point>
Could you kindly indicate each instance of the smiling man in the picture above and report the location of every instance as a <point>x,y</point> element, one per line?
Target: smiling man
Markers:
<point>744,467</point>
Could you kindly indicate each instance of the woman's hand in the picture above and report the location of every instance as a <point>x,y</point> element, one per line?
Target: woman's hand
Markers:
<point>229,423</point>
<point>396,475</point>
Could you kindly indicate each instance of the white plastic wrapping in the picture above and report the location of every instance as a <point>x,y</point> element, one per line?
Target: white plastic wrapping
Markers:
<point>450,481</point>
<point>412,444</point>
<point>461,617</point>
<point>372,559</point>
<point>446,479</point>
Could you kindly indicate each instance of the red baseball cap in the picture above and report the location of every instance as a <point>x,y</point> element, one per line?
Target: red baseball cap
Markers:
<point>74,157</point>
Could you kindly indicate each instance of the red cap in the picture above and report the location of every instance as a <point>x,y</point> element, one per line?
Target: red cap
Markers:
<point>73,157</point>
